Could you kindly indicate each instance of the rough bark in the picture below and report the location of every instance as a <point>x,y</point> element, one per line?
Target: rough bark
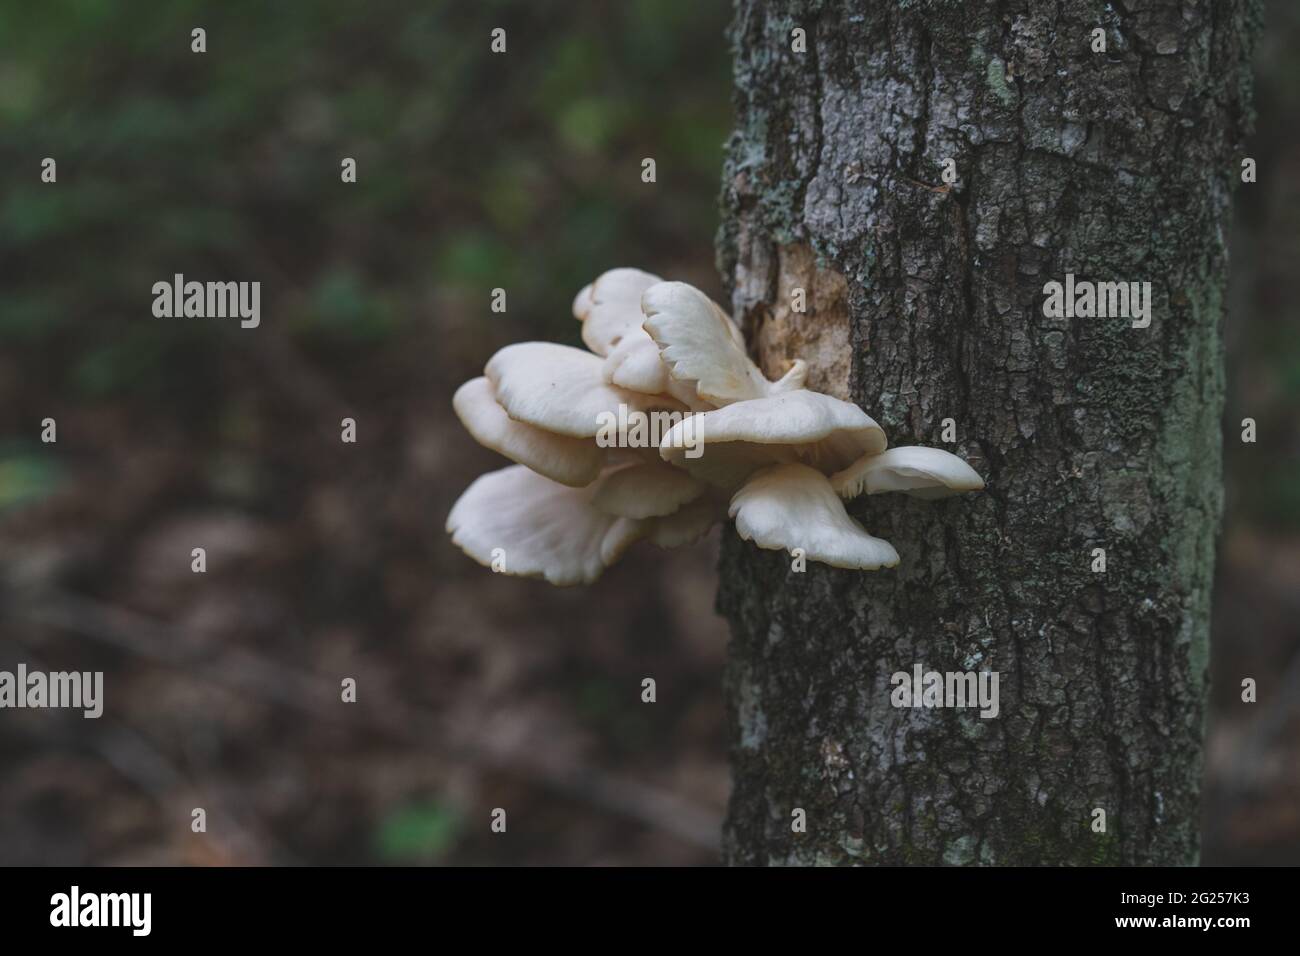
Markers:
<point>925,303</point>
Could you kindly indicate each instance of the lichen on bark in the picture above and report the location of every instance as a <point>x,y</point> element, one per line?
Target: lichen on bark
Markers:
<point>1112,166</point>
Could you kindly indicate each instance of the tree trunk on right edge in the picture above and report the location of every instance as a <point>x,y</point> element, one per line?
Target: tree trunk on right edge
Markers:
<point>926,303</point>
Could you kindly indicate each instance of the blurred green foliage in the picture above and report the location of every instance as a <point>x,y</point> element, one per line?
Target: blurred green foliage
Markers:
<point>475,170</point>
<point>26,475</point>
<point>422,833</point>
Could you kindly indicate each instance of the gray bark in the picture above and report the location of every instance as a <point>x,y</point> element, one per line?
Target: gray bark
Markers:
<point>925,303</point>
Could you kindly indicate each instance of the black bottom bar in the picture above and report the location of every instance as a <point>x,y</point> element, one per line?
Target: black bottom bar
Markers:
<point>338,905</point>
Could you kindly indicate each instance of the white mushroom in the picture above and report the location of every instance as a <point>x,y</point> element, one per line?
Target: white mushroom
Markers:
<point>649,490</point>
<point>635,363</point>
<point>784,507</point>
<point>560,389</point>
<point>913,469</point>
<point>611,306</point>
<point>610,310</point>
<point>701,345</point>
<point>687,524</point>
<point>799,425</point>
<point>538,528</point>
<point>570,461</point>
<point>582,303</point>
<point>585,487</point>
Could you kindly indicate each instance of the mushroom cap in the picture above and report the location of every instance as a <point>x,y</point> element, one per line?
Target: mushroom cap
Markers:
<point>784,507</point>
<point>561,389</point>
<point>688,523</point>
<point>634,363</point>
<point>544,529</point>
<point>611,306</point>
<point>800,424</point>
<point>700,344</point>
<point>570,461</point>
<point>582,303</point>
<point>913,469</point>
<point>650,490</point>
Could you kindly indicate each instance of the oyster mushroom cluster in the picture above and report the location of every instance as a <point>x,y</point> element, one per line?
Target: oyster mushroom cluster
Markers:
<point>660,430</point>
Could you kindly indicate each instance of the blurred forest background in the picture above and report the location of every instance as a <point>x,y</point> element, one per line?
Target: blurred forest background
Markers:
<point>328,560</point>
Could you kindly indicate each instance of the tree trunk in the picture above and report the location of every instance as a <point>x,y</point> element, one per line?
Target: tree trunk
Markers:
<point>925,303</point>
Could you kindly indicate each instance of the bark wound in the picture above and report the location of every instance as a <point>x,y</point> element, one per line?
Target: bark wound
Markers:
<point>819,334</point>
